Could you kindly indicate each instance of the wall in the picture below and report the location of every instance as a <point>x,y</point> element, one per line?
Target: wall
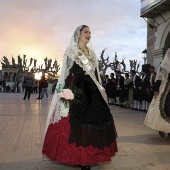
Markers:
<point>161,40</point>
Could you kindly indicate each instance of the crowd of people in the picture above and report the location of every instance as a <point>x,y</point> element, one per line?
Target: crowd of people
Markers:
<point>30,87</point>
<point>133,89</point>
<point>19,88</point>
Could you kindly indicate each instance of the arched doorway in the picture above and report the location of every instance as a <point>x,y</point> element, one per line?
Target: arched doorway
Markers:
<point>6,76</point>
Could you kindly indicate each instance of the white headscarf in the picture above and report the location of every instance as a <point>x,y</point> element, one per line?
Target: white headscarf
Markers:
<point>166,61</point>
<point>57,108</point>
<point>164,68</point>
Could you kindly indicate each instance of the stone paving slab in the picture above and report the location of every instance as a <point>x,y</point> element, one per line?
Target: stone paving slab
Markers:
<point>22,125</point>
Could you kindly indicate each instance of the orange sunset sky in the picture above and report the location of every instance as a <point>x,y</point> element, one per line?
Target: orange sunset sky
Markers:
<point>40,28</point>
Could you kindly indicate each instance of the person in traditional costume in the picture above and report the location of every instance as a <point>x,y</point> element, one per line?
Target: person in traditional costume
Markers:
<point>126,94</point>
<point>145,90</point>
<point>105,84</point>
<point>151,83</point>
<point>80,130</point>
<point>112,89</point>
<point>119,87</point>
<point>158,115</point>
<point>136,90</point>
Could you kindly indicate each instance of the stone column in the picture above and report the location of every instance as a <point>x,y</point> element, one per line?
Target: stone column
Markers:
<point>158,55</point>
<point>150,41</point>
<point>11,77</point>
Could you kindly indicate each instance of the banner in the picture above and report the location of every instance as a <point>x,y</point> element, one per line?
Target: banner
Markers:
<point>146,4</point>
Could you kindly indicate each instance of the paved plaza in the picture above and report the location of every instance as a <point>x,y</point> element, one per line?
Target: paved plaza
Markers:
<point>22,125</point>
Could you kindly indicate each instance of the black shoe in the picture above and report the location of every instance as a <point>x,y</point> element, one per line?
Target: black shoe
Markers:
<point>23,98</point>
<point>144,111</point>
<point>162,134</point>
<point>85,167</point>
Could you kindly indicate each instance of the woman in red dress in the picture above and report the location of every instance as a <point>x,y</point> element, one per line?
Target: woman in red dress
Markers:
<point>82,133</point>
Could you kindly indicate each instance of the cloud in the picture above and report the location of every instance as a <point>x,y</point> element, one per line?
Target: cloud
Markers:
<point>42,28</point>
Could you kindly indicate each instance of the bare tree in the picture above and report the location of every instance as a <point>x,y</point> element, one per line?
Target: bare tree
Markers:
<point>124,65</point>
<point>134,65</point>
<point>5,61</point>
<point>104,64</point>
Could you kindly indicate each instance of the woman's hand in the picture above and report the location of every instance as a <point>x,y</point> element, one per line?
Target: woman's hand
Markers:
<point>156,94</point>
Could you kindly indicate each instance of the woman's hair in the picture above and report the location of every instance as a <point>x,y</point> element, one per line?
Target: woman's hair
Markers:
<point>145,71</point>
<point>84,26</point>
<point>133,71</point>
<point>127,74</point>
<point>152,67</point>
<point>112,74</point>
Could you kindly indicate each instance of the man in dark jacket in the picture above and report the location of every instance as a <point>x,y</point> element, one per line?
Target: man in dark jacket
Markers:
<point>136,89</point>
<point>105,84</point>
<point>152,83</point>
<point>28,87</point>
<point>44,87</point>
<point>145,90</point>
<point>111,89</point>
<point>4,85</point>
<point>119,86</point>
<point>40,89</point>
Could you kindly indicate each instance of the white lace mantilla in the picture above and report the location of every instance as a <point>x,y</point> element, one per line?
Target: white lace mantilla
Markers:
<point>162,74</point>
<point>166,61</point>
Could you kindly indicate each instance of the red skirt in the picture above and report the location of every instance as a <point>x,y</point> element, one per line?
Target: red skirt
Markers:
<point>57,148</point>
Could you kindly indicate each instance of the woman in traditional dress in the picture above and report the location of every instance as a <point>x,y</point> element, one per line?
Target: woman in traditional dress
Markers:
<point>158,116</point>
<point>83,133</point>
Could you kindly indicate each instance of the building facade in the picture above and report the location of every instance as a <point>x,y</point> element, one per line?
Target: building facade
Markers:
<point>157,15</point>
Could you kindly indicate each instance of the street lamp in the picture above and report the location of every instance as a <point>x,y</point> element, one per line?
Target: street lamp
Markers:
<point>144,52</point>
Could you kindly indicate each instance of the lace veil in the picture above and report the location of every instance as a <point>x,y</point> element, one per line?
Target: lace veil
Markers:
<point>164,68</point>
<point>57,108</point>
<point>166,61</point>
